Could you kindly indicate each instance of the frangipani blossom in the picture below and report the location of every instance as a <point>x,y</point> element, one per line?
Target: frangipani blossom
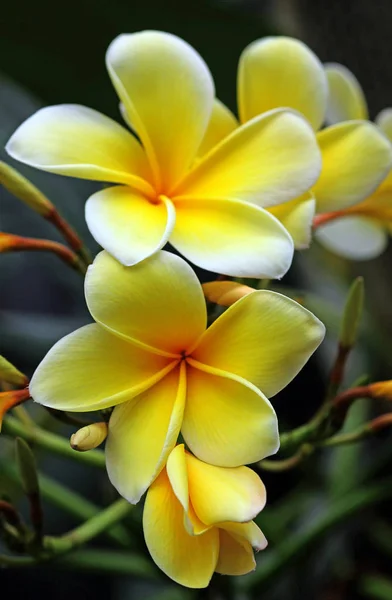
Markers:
<point>150,356</point>
<point>361,231</point>
<point>210,210</point>
<point>283,72</point>
<point>198,519</point>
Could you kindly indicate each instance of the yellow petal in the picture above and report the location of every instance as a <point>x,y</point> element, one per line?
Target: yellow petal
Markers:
<point>247,531</point>
<point>158,304</point>
<point>269,160</point>
<point>277,72</point>
<point>235,555</point>
<point>221,124</point>
<point>90,369</point>
<point>356,158</point>
<point>297,216</point>
<point>177,471</point>
<point>227,421</point>
<point>189,560</point>
<point>265,337</point>
<point>224,494</point>
<point>384,121</point>
<point>127,225</point>
<point>167,91</point>
<point>346,99</point>
<point>142,433</point>
<point>225,293</point>
<point>80,142</point>
<point>232,237</point>
<point>354,237</point>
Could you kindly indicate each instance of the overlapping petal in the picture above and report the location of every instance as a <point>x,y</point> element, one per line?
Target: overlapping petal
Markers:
<point>142,434</point>
<point>356,158</point>
<point>384,121</point>
<point>227,421</point>
<point>249,532</point>
<point>127,225</point>
<point>346,100</point>
<point>235,555</point>
<point>90,369</point>
<point>224,494</point>
<point>80,142</point>
<point>158,304</point>
<point>221,124</point>
<point>232,237</point>
<point>354,237</point>
<point>269,160</point>
<point>265,337</point>
<point>281,72</point>
<point>189,560</point>
<point>167,91</point>
<point>297,217</point>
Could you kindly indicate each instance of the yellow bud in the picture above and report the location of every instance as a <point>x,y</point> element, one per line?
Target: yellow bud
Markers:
<point>23,189</point>
<point>381,389</point>
<point>10,374</point>
<point>89,437</point>
<point>352,314</point>
<point>225,293</point>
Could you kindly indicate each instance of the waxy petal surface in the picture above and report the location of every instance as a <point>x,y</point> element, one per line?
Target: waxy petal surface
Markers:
<point>235,555</point>
<point>346,100</point>
<point>189,560</point>
<point>354,237</point>
<point>142,434</point>
<point>221,124</point>
<point>167,91</point>
<point>269,160</point>
<point>80,142</point>
<point>356,158</point>
<point>297,216</point>
<point>232,237</point>
<point>224,494</point>
<point>265,337</point>
<point>384,121</point>
<point>127,225</point>
<point>158,304</point>
<point>280,72</point>
<point>227,421</point>
<point>90,369</point>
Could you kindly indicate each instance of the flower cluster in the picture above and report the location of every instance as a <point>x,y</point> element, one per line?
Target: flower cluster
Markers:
<point>190,403</point>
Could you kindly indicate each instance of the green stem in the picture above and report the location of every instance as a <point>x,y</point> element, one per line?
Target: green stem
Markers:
<point>89,529</point>
<point>70,502</point>
<point>52,442</point>
<point>288,463</point>
<point>298,545</point>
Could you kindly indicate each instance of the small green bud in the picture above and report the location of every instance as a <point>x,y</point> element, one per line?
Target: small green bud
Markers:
<point>11,374</point>
<point>352,314</point>
<point>23,189</point>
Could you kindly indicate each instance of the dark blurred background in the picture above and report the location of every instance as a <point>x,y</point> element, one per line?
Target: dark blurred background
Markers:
<point>54,53</point>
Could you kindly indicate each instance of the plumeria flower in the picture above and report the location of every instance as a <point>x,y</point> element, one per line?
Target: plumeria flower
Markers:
<point>361,231</point>
<point>283,72</point>
<point>211,209</point>
<point>150,356</point>
<point>198,519</point>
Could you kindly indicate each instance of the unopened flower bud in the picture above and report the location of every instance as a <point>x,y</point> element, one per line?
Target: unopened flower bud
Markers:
<point>352,314</point>
<point>11,374</point>
<point>381,389</point>
<point>89,437</point>
<point>23,189</point>
<point>225,293</point>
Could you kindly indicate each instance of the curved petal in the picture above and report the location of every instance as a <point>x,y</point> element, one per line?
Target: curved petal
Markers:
<point>167,91</point>
<point>354,237</point>
<point>158,304</point>
<point>269,160</point>
<point>232,237</point>
<point>142,433</point>
<point>221,124</point>
<point>80,142</point>
<point>281,71</point>
<point>225,293</point>
<point>127,225</point>
<point>235,555</point>
<point>189,560</point>
<point>297,217</point>
<point>228,422</point>
<point>247,531</point>
<point>265,337</point>
<point>346,99</point>
<point>356,158</point>
<point>90,369</point>
<point>384,121</point>
<point>177,472</point>
<point>224,494</point>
